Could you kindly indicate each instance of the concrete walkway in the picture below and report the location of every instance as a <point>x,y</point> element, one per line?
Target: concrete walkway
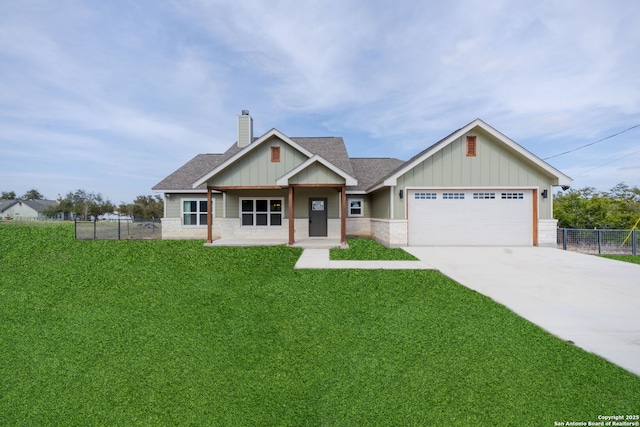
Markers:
<point>593,302</point>
<point>319,259</point>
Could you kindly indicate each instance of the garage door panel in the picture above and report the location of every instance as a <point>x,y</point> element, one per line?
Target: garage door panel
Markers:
<point>470,217</point>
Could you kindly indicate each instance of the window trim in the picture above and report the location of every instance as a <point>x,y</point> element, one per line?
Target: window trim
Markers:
<point>472,146</point>
<point>198,213</point>
<point>268,212</point>
<point>275,154</point>
<point>355,199</point>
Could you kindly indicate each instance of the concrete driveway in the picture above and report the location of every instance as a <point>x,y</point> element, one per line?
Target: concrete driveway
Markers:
<point>592,301</point>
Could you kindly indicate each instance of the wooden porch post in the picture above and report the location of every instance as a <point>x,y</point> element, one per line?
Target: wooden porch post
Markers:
<point>209,216</point>
<point>291,217</point>
<point>343,214</point>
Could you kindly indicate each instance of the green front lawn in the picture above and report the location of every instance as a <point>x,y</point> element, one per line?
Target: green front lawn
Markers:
<point>361,249</point>
<point>173,333</point>
<point>635,259</point>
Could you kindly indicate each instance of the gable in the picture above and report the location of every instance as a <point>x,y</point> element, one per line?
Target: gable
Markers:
<point>256,168</point>
<point>499,161</point>
<point>495,164</point>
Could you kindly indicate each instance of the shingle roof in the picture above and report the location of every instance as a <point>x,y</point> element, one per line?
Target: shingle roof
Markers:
<point>39,205</point>
<point>6,204</point>
<point>36,205</point>
<point>329,148</point>
<point>370,171</point>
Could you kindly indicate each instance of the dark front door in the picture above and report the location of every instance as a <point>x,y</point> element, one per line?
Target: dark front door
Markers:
<point>317,217</point>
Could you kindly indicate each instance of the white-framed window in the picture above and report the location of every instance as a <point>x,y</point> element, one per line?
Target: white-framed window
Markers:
<point>194,211</point>
<point>355,207</point>
<point>457,196</point>
<point>264,212</point>
<point>425,196</point>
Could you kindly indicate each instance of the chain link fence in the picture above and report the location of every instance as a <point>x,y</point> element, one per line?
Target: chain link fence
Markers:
<point>610,242</point>
<point>121,229</point>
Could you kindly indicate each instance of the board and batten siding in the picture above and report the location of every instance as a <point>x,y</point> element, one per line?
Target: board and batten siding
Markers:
<point>495,165</point>
<point>173,203</point>
<point>316,173</point>
<point>380,204</point>
<point>257,169</point>
<point>234,196</point>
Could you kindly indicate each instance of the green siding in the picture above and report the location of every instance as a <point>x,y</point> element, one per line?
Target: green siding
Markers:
<point>380,204</point>
<point>495,165</point>
<point>173,203</point>
<point>367,204</point>
<point>233,199</point>
<point>302,196</point>
<point>316,173</point>
<point>256,168</point>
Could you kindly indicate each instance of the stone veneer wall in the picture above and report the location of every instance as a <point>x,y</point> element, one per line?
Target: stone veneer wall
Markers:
<point>172,228</point>
<point>548,232</point>
<point>359,227</point>
<point>390,232</point>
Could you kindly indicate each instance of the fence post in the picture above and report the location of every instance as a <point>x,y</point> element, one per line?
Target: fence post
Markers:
<point>564,239</point>
<point>599,242</point>
<point>75,228</point>
<point>634,243</point>
<point>118,227</point>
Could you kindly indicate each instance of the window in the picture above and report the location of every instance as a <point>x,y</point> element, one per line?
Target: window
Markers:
<point>425,196</point>
<point>194,212</point>
<point>513,195</point>
<point>456,196</point>
<point>471,146</point>
<point>275,154</point>
<point>261,212</point>
<point>484,195</point>
<point>355,207</point>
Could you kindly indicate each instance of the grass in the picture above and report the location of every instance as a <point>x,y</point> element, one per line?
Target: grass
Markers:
<point>635,259</point>
<point>361,249</point>
<point>173,333</point>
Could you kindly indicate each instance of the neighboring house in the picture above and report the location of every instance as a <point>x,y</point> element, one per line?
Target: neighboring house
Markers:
<point>25,210</point>
<point>474,187</point>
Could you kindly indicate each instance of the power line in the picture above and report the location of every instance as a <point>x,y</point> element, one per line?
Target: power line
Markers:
<point>609,162</point>
<point>592,143</point>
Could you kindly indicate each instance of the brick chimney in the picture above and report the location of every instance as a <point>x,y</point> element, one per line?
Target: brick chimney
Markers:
<point>245,129</point>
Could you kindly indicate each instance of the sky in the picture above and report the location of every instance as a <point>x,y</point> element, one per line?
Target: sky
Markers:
<point>113,96</point>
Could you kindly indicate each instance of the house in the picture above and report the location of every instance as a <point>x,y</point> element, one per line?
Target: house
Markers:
<point>25,210</point>
<point>474,187</point>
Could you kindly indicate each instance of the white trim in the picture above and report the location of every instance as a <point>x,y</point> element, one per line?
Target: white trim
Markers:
<point>392,214</point>
<point>284,179</point>
<point>355,199</point>
<point>198,212</point>
<point>246,150</point>
<point>393,179</point>
<point>197,191</point>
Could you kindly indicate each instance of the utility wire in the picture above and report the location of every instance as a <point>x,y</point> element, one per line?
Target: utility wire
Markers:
<point>592,143</point>
<point>609,162</point>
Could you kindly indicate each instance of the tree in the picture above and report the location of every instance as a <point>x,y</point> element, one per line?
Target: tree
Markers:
<point>8,195</point>
<point>143,207</point>
<point>618,208</point>
<point>83,204</point>
<point>33,194</point>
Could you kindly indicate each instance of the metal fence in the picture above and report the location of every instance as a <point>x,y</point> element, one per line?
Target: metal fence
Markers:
<point>136,229</point>
<point>611,242</point>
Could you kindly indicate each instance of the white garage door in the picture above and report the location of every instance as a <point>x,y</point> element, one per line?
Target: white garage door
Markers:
<point>470,217</point>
